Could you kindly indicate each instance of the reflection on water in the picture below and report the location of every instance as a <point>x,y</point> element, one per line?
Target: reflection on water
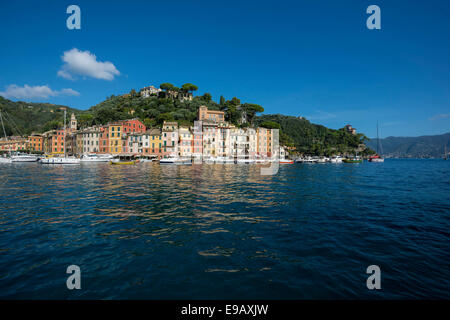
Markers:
<point>225,231</point>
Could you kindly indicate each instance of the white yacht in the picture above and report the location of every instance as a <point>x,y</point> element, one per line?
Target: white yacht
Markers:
<point>24,158</point>
<point>96,158</point>
<point>60,160</point>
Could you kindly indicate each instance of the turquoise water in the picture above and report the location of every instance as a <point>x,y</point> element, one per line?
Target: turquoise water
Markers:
<point>224,231</point>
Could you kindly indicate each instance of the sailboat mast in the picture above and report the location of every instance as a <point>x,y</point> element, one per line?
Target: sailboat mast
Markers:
<point>64,137</point>
<point>4,132</point>
<point>378,139</point>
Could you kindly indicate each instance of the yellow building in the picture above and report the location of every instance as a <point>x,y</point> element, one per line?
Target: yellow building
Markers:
<point>115,138</point>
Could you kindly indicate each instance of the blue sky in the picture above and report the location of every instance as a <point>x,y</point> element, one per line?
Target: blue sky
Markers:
<point>305,58</point>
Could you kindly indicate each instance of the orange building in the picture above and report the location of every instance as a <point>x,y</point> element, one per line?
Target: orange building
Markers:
<point>54,142</point>
<point>210,115</point>
<point>36,143</point>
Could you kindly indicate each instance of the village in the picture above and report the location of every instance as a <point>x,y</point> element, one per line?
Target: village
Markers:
<point>210,139</point>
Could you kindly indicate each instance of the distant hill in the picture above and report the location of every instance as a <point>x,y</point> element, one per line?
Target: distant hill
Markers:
<point>413,147</point>
<point>23,118</point>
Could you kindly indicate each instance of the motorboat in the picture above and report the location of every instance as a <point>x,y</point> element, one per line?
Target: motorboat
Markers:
<point>95,158</point>
<point>286,161</point>
<point>60,160</point>
<point>23,158</point>
<point>336,159</point>
<point>122,162</point>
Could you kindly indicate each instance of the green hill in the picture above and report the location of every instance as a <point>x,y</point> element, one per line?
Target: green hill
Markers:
<point>23,118</point>
<point>308,138</point>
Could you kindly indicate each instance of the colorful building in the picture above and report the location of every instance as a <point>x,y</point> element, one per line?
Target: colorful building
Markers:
<point>186,144</point>
<point>210,115</point>
<point>132,126</point>
<point>36,143</point>
<point>170,138</point>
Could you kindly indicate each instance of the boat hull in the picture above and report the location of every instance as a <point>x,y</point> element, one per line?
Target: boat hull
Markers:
<point>60,161</point>
<point>122,163</point>
<point>351,161</point>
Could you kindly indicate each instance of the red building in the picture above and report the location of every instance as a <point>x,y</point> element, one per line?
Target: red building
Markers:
<point>133,126</point>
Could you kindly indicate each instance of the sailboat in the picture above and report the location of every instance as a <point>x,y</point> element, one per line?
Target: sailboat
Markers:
<point>377,157</point>
<point>4,159</point>
<point>65,159</point>
<point>445,152</point>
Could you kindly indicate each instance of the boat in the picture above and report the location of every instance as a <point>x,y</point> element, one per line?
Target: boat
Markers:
<point>355,159</point>
<point>61,160</point>
<point>377,157</point>
<point>120,162</point>
<point>21,157</point>
<point>5,160</point>
<point>286,161</point>
<point>96,158</point>
<point>445,152</point>
<point>147,158</point>
<point>245,161</point>
<point>169,160</point>
<point>336,159</point>
<point>224,160</point>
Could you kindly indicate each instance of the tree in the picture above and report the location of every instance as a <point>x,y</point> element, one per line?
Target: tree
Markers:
<point>270,125</point>
<point>189,87</point>
<point>222,101</point>
<point>167,86</point>
<point>207,97</point>
<point>251,109</point>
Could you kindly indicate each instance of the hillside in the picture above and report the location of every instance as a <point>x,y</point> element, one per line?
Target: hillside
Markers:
<point>413,147</point>
<point>23,118</point>
<point>308,138</point>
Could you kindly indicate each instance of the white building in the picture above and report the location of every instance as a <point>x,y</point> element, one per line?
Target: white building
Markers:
<point>148,91</point>
<point>90,140</point>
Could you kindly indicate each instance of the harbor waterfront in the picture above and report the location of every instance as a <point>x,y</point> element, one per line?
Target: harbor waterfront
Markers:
<point>211,231</point>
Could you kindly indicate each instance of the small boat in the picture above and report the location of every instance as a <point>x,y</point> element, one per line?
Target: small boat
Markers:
<point>24,158</point>
<point>170,160</point>
<point>352,160</point>
<point>337,159</point>
<point>286,161</point>
<point>376,158</point>
<point>119,162</point>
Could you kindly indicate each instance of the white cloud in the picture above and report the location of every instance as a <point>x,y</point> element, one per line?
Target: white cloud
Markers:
<point>33,92</point>
<point>84,63</point>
